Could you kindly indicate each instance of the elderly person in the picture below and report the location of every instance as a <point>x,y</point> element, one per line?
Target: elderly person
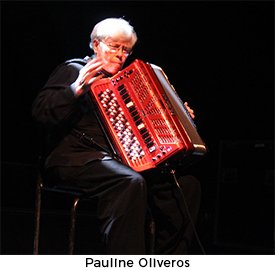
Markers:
<point>64,108</point>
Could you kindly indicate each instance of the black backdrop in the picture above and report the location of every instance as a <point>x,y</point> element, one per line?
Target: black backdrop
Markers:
<point>218,55</point>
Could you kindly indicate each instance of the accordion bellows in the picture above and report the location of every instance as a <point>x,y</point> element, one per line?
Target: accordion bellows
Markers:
<point>144,118</point>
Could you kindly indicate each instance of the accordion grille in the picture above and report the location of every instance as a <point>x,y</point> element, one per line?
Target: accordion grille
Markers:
<point>138,117</point>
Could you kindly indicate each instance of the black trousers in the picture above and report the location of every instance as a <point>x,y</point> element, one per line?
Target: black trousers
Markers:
<point>175,210</point>
<point>124,197</point>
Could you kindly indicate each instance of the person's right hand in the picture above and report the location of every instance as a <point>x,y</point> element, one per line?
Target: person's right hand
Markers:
<point>88,74</point>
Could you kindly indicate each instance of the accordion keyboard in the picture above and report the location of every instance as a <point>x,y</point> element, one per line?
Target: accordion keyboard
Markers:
<point>138,118</point>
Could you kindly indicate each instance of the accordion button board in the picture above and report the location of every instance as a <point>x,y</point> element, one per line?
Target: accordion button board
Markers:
<point>144,118</point>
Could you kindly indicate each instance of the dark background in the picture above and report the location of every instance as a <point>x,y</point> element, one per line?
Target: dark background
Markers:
<point>220,58</point>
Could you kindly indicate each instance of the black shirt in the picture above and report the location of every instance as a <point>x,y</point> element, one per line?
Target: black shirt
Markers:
<point>59,111</point>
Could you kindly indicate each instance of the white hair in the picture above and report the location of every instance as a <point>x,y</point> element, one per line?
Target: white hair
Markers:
<point>113,27</point>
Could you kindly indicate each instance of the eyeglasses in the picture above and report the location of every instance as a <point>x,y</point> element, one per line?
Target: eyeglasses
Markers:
<point>115,48</point>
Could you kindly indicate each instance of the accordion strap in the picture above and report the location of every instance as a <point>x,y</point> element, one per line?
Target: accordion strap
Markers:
<point>82,136</point>
<point>88,140</point>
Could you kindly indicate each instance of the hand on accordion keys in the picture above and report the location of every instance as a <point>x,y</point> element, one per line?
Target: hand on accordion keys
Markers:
<point>88,75</point>
<point>190,111</point>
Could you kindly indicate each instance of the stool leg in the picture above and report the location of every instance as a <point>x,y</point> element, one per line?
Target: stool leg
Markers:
<point>37,214</point>
<point>72,226</point>
<point>152,228</point>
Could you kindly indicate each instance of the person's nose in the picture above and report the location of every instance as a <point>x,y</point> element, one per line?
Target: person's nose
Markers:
<point>120,51</point>
<point>119,54</point>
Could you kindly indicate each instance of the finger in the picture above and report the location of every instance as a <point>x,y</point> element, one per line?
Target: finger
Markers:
<point>95,61</point>
<point>92,80</point>
<point>91,66</point>
<point>91,73</point>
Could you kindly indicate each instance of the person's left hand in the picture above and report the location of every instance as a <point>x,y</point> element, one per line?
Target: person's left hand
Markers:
<point>191,112</point>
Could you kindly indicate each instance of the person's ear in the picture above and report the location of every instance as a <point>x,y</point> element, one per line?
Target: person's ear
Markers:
<point>96,43</point>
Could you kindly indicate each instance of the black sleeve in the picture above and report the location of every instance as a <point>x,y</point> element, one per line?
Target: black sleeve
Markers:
<point>56,103</point>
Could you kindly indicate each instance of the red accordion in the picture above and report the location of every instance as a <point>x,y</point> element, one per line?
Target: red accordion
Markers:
<point>144,118</point>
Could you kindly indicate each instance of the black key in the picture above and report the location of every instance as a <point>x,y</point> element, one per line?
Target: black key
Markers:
<point>150,144</point>
<point>143,130</point>
<point>127,100</point>
<point>148,140</point>
<point>134,113</point>
<point>125,96</point>
<point>132,108</point>
<point>138,122</point>
<point>120,87</point>
<point>145,135</point>
<point>136,118</point>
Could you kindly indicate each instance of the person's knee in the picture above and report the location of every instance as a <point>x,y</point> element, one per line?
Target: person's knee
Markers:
<point>138,178</point>
<point>138,182</point>
<point>135,185</point>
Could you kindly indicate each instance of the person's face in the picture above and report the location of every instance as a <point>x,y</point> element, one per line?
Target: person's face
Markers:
<point>113,51</point>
